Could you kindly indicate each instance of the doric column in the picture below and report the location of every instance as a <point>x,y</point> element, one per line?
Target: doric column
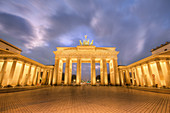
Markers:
<point>70,73</point>
<point>50,76</point>
<point>121,77</point>
<point>28,75</point>
<point>127,77</point>
<point>55,74</point>
<point>112,75</point>
<point>93,72</point>
<point>3,71</point>
<point>34,75</point>
<point>39,74</point>
<point>44,76</point>
<point>133,81</point>
<point>168,74</point>
<point>150,74</point>
<point>21,73</point>
<point>141,76</point>
<point>101,73</point>
<point>161,76</point>
<point>67,71</point>
<point>31,75</point>
<point>11,74</point>
<point>80,72</point>
<point>78,76</point>
<point>60,72</point>
<point>144,79</point>
<point>116,72</point>
<point>105,72</point>
<point>137,75</point>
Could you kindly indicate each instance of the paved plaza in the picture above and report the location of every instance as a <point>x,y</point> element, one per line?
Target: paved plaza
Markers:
<point>85,99</point>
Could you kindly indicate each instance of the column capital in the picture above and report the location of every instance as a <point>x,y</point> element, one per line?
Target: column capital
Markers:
<point>5,58</point>
<point>92,59</point>
<point>157,60</point>
<point>146,62</point>
<point>33,65</point>
<point>15,59</point>
<point>39,68</point>
<point>149,62</point>
<point>167,60</point>
<point>28,63</point>
<point>137,66</point>
<point>131,69</point>
<point>78,59</point>
<point>140,64</point>
<point>22,61</point>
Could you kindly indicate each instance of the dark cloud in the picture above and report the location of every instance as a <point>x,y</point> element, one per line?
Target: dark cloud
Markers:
<point>15,29</point>
<point>63,23</point>
<point>43,55</point>
<point>15,24</point>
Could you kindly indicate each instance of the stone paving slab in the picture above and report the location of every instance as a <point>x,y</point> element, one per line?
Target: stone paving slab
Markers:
<point>150,89</point>
<point>84,99</point>
<point>18,89</point>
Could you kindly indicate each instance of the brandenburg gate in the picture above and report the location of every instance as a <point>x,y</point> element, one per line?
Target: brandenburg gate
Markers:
<point>86,52</point>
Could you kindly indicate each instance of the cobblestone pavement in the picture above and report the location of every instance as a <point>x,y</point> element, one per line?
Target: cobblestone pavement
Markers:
<point>85,99</point>
<point>17,89</point>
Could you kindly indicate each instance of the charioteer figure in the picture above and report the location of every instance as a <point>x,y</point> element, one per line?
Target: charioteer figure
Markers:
<point>86,42</point>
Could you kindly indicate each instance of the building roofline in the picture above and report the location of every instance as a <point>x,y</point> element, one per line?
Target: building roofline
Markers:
<point>1,40</point>
<point>160,46</point>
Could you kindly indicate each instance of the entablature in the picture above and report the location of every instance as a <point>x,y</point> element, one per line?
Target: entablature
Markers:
<point>86,51</point>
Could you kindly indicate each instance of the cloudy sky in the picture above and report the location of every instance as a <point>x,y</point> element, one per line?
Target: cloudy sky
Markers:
<point>134,27</point>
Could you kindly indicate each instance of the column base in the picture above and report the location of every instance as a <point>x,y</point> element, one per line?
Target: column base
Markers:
<point>58,84</point>
<point>117,85</point>
<point>104,85</point>
<point>112,84</point>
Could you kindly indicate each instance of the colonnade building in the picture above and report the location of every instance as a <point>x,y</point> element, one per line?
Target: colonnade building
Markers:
<point>16,69</point>
<point>151,71</point>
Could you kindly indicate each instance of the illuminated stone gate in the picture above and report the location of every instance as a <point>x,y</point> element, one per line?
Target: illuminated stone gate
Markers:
<point>86,53</point>
<point>18,70</point>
